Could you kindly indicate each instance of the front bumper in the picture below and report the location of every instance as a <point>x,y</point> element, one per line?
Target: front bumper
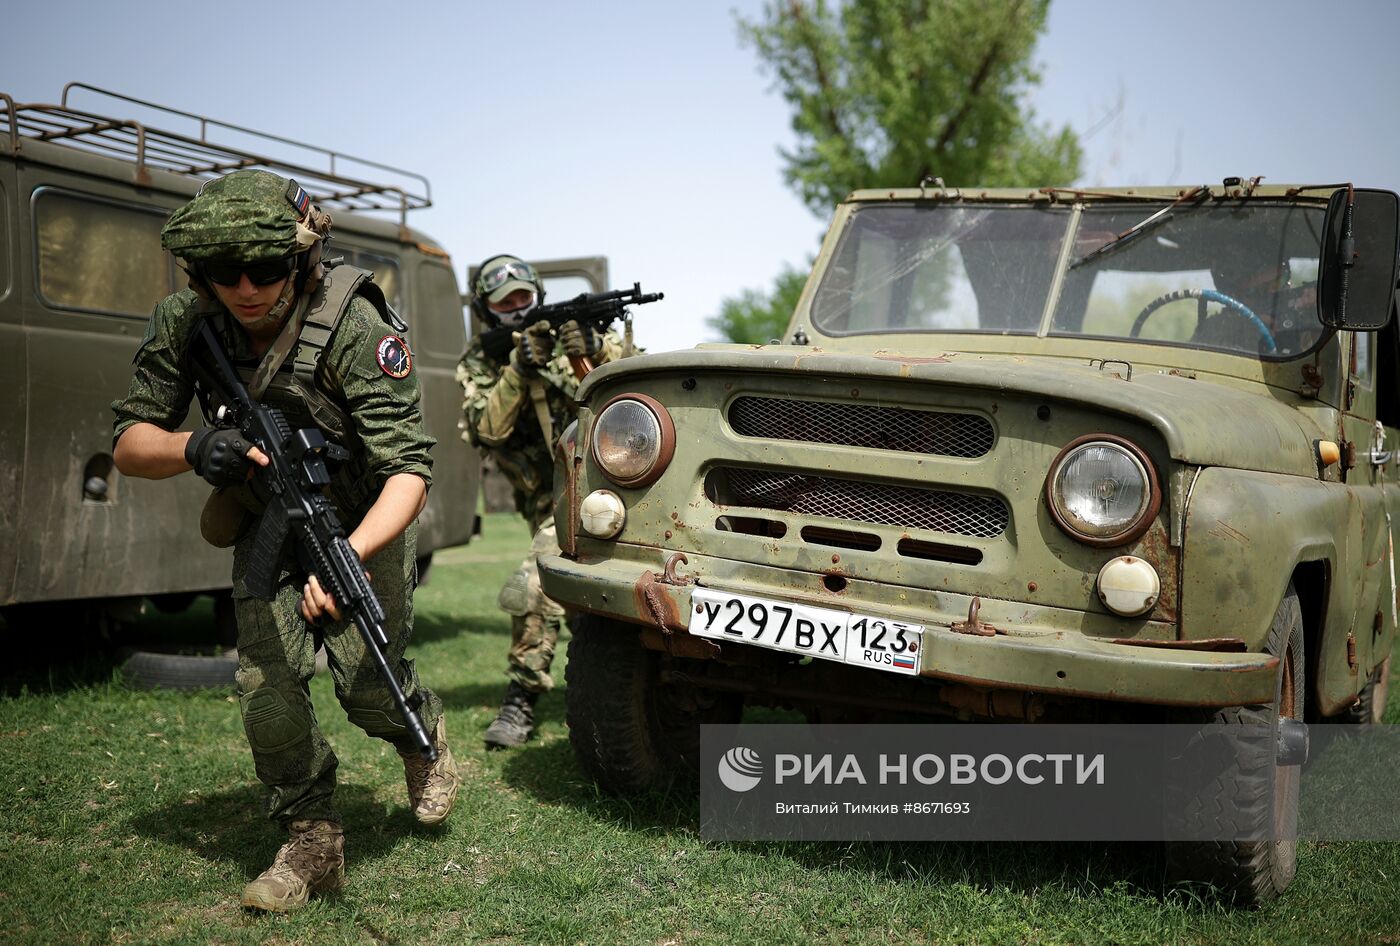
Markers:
<point>1041,649</point>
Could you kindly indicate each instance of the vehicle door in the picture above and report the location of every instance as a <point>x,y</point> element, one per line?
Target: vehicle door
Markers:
<point>1386,462</point>
<point>91,245</point>
<point>1374,598</point>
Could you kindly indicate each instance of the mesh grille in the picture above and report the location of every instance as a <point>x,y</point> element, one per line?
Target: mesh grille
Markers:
<point>939,433</point>
<point>909,507</point>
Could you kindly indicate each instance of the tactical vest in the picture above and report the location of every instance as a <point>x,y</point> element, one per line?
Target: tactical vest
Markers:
<point>299,387</point>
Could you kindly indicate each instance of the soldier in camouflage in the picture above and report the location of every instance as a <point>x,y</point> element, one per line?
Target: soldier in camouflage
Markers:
<point>516,410</point>
<point>321,344</point>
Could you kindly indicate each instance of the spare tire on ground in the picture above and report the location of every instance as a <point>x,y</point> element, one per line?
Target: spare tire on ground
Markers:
<point>148,670</point>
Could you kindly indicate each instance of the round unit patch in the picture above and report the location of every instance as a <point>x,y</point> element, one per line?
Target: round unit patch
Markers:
<point>393,356</point>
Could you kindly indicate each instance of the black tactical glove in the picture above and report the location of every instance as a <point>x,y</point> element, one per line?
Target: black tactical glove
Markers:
<point>533,348</point>
<point>220,455</point>
<point>577,341</point>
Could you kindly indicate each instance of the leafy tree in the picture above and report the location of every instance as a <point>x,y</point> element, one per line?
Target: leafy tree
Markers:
<point>887,93</point>
<point>756,317</point>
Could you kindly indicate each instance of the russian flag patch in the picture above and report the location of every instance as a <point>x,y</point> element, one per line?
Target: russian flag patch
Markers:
<point>298,198</point>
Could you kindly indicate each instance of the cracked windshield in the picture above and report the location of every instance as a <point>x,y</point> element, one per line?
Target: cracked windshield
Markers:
<point>1238,277</point>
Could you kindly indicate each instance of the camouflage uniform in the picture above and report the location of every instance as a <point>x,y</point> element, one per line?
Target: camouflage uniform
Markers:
<point>276,647</point>
<point>499,415</point>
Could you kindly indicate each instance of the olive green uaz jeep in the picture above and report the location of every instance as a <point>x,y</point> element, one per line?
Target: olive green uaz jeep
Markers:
<point>1049,454</point>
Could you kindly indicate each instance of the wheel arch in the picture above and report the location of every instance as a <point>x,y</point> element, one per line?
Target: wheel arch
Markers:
<point>1312,580</point>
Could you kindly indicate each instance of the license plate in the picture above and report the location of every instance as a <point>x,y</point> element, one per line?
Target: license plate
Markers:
<point>856,639</point>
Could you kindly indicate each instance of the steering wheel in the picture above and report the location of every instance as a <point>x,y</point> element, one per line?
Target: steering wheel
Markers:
<point>1205,295</point>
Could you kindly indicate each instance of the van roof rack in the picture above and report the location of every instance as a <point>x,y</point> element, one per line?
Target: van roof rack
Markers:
<point>331,177</point>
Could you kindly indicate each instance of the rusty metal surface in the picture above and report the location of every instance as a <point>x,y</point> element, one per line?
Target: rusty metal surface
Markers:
<point>1232,645</point>
<point>669,574</point>
<point>656,606</point>
<point>973,625</point>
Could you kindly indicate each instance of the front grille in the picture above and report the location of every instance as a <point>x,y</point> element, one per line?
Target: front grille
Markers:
<point>909,507</point>
<point>938,433</point>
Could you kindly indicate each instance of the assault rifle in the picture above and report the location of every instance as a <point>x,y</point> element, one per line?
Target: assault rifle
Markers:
<point>595,310</point>
<point>297,509</point>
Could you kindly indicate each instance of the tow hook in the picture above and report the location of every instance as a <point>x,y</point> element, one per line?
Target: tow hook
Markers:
<point>1292,742</point>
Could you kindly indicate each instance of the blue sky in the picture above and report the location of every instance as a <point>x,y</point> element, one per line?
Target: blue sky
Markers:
<point>643,131</point>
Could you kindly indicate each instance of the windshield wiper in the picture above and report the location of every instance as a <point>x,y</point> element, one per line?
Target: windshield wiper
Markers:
<point>1199,193</point>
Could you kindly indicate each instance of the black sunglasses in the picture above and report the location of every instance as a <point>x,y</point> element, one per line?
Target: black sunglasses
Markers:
<point>259,274</point>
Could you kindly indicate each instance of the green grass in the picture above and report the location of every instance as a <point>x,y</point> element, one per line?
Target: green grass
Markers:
<point>134,817</point>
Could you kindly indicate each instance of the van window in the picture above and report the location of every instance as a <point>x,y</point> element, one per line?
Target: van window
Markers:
<point>385,268</point>
<point>98,256</point>
<point>436,320</point>
<point>564,288</point>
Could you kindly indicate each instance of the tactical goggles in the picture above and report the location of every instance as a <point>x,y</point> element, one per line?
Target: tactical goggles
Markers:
<point>497,276</point>
<point>259,274</point>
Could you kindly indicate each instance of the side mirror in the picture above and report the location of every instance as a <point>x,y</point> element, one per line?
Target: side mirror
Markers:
<point>1360,243</point>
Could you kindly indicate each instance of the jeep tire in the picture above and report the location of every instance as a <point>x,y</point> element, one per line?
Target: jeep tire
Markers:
<point>1251,796</point>
<point>632,733</point>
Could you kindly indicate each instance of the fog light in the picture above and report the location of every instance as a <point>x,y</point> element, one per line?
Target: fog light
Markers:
<point>1128,586</point>
<point>602,514</point>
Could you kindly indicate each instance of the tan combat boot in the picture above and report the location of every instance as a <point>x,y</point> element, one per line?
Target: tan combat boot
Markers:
<point>432,786</point>
<point>313,861</point>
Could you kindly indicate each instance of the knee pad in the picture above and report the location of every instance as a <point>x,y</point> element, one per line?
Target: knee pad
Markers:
<point>378,718</point>
<point>514,598</point>
<point>271,722</point>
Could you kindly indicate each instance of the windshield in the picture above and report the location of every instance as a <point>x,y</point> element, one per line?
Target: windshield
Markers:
<point>1236,277</point>
<point>902,268</point>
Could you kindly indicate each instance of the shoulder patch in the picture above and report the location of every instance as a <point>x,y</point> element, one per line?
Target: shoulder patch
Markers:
<point>393,356</point>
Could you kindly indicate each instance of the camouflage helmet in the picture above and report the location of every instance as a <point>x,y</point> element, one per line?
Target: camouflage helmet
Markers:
<point>248,216</point>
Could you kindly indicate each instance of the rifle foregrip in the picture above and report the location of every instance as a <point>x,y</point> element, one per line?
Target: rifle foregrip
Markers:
<point>354,587</point>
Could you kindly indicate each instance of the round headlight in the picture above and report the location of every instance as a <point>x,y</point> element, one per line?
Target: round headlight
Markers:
<point>1102,490</point>
<point>633,440</point>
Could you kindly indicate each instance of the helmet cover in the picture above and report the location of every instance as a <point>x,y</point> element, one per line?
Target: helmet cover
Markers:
<point>249,216</point>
